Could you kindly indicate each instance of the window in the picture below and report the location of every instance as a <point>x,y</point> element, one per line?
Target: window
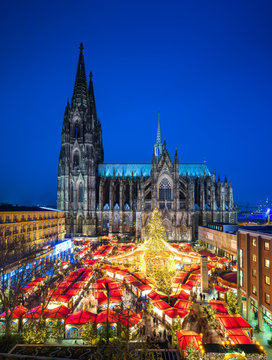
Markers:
<point>254,258</point>
<point>81,193</point>
<point>76,160</point>
<point>266,263</point>
<point>241,258</point>
<point>266,245</point>
<point>241,278</point>
<point>254,289</point>
<point>267,280</point>
<point>267,298</point>
<point>254,272</point>
<point>254,242</point>
<point>165,190</point>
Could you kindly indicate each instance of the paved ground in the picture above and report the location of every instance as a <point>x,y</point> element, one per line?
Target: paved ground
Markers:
<point>262,337</point>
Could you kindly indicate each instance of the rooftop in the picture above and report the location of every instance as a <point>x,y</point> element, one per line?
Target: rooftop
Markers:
<point>12,208</point>
<point>137,169</point>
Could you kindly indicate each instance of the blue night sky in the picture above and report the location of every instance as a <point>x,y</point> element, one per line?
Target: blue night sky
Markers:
<point>206,65</point>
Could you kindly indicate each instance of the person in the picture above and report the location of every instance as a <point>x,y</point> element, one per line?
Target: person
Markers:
<point>203,297</point>
<point>164,334</point>
<point>200,296</point>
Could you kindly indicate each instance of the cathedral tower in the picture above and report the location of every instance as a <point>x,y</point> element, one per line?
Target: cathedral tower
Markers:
<point>81,151</point>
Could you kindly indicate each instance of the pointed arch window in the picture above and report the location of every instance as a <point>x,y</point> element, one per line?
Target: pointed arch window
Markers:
<point>76,160</point>
<point>165,190</point>
<point>72,193</point>
<point>80,193</point>
<point>76,133</point>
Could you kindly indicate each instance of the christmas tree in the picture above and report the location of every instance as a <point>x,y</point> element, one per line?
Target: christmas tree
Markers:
<point>160,263</point>
<point>232,303</point>
<point>156,236</point>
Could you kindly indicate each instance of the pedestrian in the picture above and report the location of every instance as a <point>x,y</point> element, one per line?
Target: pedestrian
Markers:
<point>204,297</point>
<point>200,296</point>
<point>164,334</point>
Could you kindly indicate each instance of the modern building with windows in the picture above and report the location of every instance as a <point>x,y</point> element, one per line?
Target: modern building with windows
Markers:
<point>220,238</point>
<point>100,198</point>
<point>255,273</point>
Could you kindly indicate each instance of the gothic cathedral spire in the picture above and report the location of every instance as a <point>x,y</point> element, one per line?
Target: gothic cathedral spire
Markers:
<point>80,94</point>
<point>158,145</point>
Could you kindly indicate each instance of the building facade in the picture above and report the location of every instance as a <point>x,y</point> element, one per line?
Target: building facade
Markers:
<point>220,238</point>
<point>27,230</point>
<point>255,274</point>
<point>100,198</point>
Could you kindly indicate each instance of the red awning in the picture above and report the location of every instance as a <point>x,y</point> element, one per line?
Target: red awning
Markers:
<point>35,313</point>
<point>220,288</point>
<point>181,295</point>
<point>182,304</point>
<point>81,317</point>
<point>102,317</point>
<point>160,304</point>
<point>59,312</point>
<point>219,308</point>
<point>112,300</point>
<point>129,317</point>
<point>188,337</point>
<point>174,313</point>
<point>232,321</point>
<point>73,291</point>
<point>18,312</point>
<point>156,295</point>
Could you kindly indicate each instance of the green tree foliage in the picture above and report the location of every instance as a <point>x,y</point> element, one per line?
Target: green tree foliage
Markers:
<point>89,333</point>
<point>35,333</point>
<point>232,303</point>
<point>57,330</point>
<point>192,353</point>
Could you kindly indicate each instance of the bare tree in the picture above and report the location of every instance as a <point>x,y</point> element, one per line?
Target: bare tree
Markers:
<point>16,271</point>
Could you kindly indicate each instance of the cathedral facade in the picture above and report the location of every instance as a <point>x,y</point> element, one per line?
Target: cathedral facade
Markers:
<point>103,198</point>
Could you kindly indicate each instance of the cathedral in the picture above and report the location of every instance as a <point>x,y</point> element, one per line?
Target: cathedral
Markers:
<point>101,198</point>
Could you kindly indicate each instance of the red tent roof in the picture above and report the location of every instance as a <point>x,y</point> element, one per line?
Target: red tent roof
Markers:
<point>141,286</point>
<point>174,313</point>
<point>27,288</point>
<point>232,321</point>
<point>218,307</point>
<point>64,285</point>
<point>59,312</point>
<point>129,317</point>
<point>115,285</point>
<point>73,291</point>
<point>18,312</point>
<point>99,295</point>
<point>160,304</point>
<point>154,295</point>
<point>78,285</point>
<point>116,293</point>
<point>186,286</point>
<point>220,288</point>
<point>35,313</point>
<point>182,304</point>
<point>188,337</point>
<point>240,339</point>
<point>181,295</point>
<point>80,317</point>
<point>112,300</point>
<point>102,317</point>
<point>104,280</point>
<point>98,286</point>
<point>63,298</point>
